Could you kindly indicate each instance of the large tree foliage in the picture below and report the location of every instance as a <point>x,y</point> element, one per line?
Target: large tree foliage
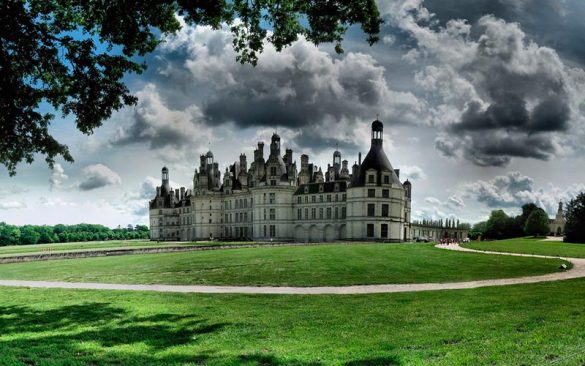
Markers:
<point>575,220</point>
<point>71,55</point>
<point>537,223</point>
<point>34,234</point>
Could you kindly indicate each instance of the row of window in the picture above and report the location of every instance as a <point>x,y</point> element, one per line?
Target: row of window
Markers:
<point>383,231</point>
<point>321,188</point>
<point>372,193</point>
<point>328,213</point>
<point>372,210</point>
<point>314,198</point>
<point>238,217</point>
<point>372,178</point>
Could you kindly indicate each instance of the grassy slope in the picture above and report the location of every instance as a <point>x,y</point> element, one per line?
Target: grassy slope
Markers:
<point>300,266</point>
<point>531,246</point>
<point>514,325</point>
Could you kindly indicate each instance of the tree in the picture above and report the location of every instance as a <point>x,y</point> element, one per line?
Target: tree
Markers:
<point>537,223</point>
<point>575,220</point>
<point>71,55</point>
<point>497,225</point>
<point>478,230</point>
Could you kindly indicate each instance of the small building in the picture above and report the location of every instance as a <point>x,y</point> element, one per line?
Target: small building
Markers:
<point>557,225</point>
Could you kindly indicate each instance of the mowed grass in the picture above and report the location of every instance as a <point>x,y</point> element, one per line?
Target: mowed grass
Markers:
<point>288,266</point>
<point>538,324</point>
<point>531,246</point>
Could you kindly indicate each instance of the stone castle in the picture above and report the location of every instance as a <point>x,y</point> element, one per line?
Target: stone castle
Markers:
<point>273,199</point>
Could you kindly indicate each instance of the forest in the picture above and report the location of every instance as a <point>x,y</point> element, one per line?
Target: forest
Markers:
<point>35,234</point>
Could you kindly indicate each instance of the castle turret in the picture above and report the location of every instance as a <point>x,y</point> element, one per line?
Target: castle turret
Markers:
<point>165,187</point>
<point>376,160</point>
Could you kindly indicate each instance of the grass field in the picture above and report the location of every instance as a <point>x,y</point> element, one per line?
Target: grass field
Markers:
<point>296,266</point>
<point>531,246</point>
<point>540,324</point>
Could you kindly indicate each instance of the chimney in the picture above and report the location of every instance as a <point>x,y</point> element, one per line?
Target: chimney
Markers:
<point>397,171</point>
<point>360,158</point>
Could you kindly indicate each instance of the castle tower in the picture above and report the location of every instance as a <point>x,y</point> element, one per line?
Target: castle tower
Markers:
<point>165,187</point>
<point>336,162</point>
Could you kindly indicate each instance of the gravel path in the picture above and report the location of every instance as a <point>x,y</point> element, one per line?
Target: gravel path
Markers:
<point>577,271</point>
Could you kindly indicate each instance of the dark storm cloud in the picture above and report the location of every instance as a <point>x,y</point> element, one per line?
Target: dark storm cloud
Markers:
<point>514,97</point>
<point>300,87</point>
<point>551,23</point>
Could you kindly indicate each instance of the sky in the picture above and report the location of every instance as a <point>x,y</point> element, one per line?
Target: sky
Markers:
<point>482,103</point>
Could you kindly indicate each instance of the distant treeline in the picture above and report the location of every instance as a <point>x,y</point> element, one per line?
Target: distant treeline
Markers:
<point>33,234</point>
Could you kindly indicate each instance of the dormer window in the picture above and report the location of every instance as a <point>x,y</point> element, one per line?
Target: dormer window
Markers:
<point>336,187</point>
<point>306,189</point>
<point>386,179</point>
<point>320,188</point>
<point>371,178</point>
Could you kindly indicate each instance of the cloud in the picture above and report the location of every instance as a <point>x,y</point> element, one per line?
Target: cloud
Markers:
<point>412,172</point>
<point>57,177</point>
<point>97,176</point>
<point>171,133</point>
<point>13,190</point>
<point>12,205</point>
<point>494,94</point>
<point>301,88</point>
<point>514,189</point>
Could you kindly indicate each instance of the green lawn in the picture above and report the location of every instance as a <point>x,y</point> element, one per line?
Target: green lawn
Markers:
<point>531,246</point>
<point>539,324</point>
<point>298,266</point>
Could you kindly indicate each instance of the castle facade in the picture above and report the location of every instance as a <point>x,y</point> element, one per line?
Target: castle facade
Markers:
<point>273,199</point>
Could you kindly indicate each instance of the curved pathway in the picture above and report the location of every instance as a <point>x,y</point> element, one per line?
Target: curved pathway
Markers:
<point>577,271</point>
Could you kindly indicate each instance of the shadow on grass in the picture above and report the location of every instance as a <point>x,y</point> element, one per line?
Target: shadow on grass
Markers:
<point>102,334</point>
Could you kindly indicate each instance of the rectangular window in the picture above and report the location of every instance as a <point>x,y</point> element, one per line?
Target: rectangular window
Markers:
<point>299,214</point>
<point>321,198</point>
<point>264,230</point>
<point>313,199</point>
<point>371,193</point>
<point>272,214</point>
<point>264,201</point>
<point>273,171</point>
<point>272,198</point>
<point>386,179</point>
<point>299,199</point>
<point>264,214</point>
<point>272,182</point>
<point>385,193</point>
<point>343,212</point>
<point>306,213</point>
<point>336,198</point>
<point>384,230</point>
<point>313,213</point>
<point>306,199</point>
<point>371,209</point>
<point>328,213</point>
<point>370,229</point>
<point>272,231</point>
<point>328,198</point>
<point>385,210</point>
<point>321,213</point>
<point>336,212</point>
<point>371,178</point>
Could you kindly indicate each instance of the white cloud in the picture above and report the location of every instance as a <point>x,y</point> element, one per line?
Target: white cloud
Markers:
<point>515,189</point>
<point>412,172</point>
<point>12,205</point>
<point>57,177</point>
<point>97,176</point>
